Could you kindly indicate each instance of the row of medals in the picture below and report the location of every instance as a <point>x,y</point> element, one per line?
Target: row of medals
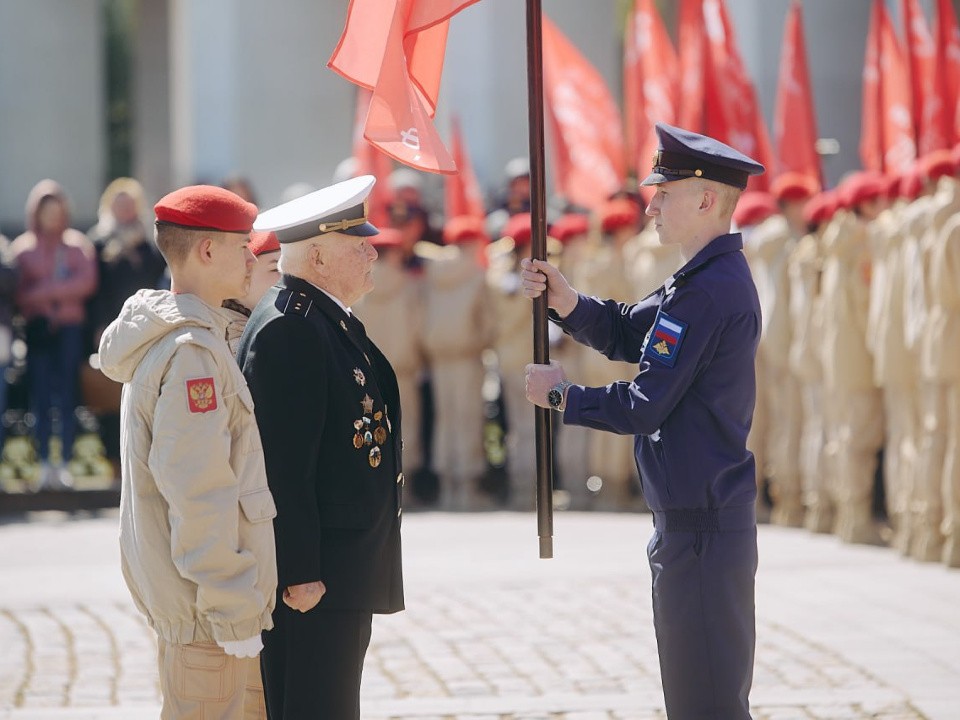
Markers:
<point>367,434</point>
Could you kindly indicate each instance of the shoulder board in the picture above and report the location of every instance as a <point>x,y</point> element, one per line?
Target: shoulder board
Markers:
<point>297,304</point>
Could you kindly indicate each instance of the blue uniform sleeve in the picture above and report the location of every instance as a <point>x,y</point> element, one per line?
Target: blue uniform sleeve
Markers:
<point>640,407</point>
<point>615,329</point>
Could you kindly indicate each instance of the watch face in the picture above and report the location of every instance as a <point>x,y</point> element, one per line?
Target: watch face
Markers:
<point>555,397</point>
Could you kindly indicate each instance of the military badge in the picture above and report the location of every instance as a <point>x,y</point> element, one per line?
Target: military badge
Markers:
<point>666,338</point>
<point>380,436</point>
<point>343,326</point>
<point>357,440</point>
<point>367,404</point>
<point>201,395</point>
<point>375,457</point>
<point>359,377</point>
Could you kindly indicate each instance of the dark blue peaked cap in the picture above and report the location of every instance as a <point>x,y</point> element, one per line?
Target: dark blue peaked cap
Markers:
<point>683,154</point>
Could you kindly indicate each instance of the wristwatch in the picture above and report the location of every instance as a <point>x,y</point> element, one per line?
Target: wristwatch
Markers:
<point>557,394</point>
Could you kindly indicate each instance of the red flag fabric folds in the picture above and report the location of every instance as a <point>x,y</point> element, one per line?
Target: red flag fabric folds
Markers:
<point>395,48</point>
<point>795,125</point>
<point>462,194</point>
<point>370,161</point>
<point>948,67</point>
<point>588,156</point>
<point>650,83</point>
<point>886,132</point>
<point>928,106</point>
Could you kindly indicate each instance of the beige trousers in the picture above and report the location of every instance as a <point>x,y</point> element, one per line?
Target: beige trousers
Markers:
<point>201,682</point>
<point>816,480</point>
<point>409,386</point>
<point>521,441</point>
<point>858,419</point>
<point>926,502</point>
<point>951,480</point>
<point>785,422</point>
<point>901,410</point>
<point>458,449</point>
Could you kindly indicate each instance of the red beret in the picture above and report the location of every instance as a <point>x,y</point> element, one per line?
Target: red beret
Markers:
<point>206,207</point>
<point>463,228</point>
<point>909,184</point>
<point>263,242</point>
<point>936,164</point>
<point>570,226</point>
<point>387,237</point>
<point>820,208</point>
<point>518,227</point>
<point>754,207</point>
<point>862,187</point>
<point>794,186</point>
<point>618,213</point>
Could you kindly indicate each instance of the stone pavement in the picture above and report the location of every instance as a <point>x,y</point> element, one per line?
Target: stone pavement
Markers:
<point>493,633</point>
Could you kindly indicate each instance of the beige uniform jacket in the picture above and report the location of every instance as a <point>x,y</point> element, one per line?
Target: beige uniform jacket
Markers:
<point>459,313</point>
<point>806,309</point>
<point>939,342</point>
<point>196,537</point>
<point>393,315</point>
<point>772,244</point>
<point>847,363</point>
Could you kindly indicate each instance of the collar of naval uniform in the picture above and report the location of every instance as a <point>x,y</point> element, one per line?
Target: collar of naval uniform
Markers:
<point>338,222</point>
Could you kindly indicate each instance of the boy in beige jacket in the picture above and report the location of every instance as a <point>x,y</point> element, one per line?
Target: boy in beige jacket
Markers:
<point>196,541</point>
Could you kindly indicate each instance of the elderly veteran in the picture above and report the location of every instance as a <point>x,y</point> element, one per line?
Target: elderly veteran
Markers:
<point>690,408</point>
<point>196,542</point>
<point>329,411</point>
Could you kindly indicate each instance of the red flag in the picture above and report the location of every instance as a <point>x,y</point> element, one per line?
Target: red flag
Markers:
<point>462,191</point>
<point>650,82</point>
<point>395,48</point>
<point>948,66</point>
<point>928,106</point>
<point>795,125</point>
<point>732,112</point>
<point>370,161</point>
<point>886,132</point>
<point>585,122</point>
<point>692,41</point>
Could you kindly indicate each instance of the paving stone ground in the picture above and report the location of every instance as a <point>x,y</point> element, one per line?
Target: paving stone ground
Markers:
<point>493,633</point>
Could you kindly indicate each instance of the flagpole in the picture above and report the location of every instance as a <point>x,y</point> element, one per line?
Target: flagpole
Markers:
<point>538,216</point>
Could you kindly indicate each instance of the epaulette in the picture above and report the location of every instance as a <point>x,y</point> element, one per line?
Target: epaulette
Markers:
<point>297,304</point>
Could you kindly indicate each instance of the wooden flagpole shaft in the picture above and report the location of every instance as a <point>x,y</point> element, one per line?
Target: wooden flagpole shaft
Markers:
<point>538,215</point>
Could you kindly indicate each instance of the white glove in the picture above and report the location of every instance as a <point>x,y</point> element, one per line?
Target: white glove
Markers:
<point>250,647</point>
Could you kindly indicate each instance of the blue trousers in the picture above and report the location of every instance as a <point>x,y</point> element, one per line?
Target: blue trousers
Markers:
<point>703,613</point>
<point>53,367</point>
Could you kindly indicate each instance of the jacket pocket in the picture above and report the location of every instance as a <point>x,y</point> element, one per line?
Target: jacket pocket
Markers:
<point>258,506</point>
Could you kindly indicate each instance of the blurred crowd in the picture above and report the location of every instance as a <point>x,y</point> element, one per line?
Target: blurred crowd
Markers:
<point>857,426</point>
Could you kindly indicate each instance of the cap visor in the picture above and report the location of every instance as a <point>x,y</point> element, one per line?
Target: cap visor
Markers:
<point>654,179</point>
<point>365,230</point>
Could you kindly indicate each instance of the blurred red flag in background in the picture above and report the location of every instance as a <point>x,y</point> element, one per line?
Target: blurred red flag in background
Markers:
<point>692,41</point>
<point>794,120</point>
<point>887,141</point>
<point>588,157</point>
<point>948,66</point>
<point>395,48</point>
<point>731,111</point>
<point>650,83</point>
<point>370,161</point>
<point>928,105</point>
<point>462,194</point>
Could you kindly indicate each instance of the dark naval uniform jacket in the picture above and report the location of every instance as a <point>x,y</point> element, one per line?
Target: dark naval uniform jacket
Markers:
<point>690,408</point>
<point>328,408</point>
<point>691,405</point>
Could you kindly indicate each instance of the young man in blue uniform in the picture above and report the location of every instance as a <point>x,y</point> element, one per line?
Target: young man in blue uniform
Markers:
<point>690,409</point>
<point>328,407</point>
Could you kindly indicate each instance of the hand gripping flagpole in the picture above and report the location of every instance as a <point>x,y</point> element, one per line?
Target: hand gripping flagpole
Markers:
<point>538,216</point>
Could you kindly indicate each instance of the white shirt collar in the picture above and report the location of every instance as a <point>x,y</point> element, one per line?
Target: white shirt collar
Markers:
<point>343,307</point>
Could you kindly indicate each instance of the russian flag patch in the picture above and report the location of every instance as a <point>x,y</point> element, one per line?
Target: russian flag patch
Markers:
<point>666,338</point>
